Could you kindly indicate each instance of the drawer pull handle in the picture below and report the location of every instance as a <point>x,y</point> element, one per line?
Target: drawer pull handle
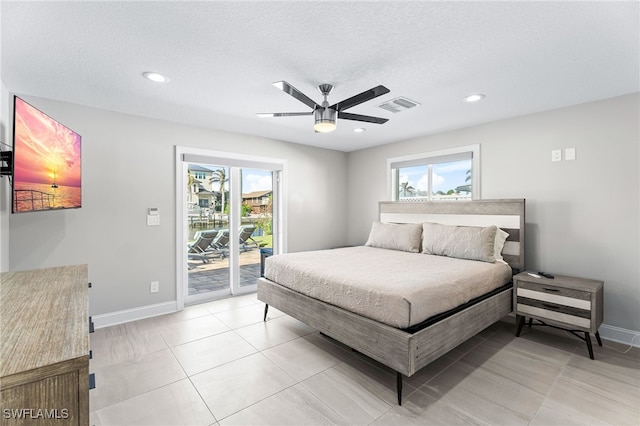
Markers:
<point>548,305</point>
<point>553,290</point>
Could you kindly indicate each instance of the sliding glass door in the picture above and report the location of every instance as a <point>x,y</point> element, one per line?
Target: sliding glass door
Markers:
<point>208,272</point>
<point>231,212</point>
<point>256,224</point>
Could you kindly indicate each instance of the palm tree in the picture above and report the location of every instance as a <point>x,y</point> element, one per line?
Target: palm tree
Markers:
<point>465,188</point>
<point>405,187</point>
<point>190,181</point>
<point>220,176</point>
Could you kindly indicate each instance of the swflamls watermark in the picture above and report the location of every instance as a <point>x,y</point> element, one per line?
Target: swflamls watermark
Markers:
<point>35,413</point>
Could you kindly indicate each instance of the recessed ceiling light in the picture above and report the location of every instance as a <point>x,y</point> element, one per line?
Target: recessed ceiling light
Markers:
<point>359,130</point>
<point>155,77</point>
<point>474,98</point>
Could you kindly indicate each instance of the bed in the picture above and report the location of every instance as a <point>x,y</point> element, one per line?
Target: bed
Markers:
<point>377,309</point>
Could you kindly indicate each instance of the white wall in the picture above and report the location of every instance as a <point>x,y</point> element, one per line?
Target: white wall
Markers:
<point>5,188</point>
<point>583,216</point>
<point>4,181</point>
<point>5,198</point>
<point>128,166</point>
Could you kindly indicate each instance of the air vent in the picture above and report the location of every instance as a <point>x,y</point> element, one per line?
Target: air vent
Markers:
<point>398,105</point>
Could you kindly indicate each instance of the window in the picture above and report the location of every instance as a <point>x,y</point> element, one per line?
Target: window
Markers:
<point>451,174</point>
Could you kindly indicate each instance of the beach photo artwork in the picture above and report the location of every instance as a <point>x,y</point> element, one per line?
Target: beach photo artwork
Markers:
<point>47,162</point>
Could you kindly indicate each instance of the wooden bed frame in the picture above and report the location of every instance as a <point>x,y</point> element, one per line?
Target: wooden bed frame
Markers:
<point>400,350</point>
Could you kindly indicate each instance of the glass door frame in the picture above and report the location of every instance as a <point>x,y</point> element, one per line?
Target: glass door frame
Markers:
<point>235,162</point>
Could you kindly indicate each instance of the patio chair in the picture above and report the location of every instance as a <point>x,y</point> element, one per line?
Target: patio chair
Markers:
<point>220,243</point>
<point>201,247</point>
<point>245,237</point>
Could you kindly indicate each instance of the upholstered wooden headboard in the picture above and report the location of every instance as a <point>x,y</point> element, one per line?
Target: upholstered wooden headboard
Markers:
<point>508,215</point>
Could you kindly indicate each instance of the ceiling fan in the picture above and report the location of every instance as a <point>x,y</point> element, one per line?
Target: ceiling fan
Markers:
<point>325,115</point>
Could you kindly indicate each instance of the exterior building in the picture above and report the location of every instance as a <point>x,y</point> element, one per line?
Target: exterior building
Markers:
<point>258,200</point>
<point>201,192</point>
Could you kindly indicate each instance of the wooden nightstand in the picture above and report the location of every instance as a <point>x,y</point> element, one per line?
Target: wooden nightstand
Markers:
<point>568,303</point>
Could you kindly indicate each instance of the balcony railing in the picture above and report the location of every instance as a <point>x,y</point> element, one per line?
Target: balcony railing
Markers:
<point>33,198</point>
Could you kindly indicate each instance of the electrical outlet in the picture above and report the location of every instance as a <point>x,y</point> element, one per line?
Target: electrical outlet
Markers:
<point>155,287</point>
<point>556,155</point>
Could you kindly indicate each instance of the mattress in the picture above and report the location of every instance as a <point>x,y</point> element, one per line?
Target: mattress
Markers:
<point>397,288</point>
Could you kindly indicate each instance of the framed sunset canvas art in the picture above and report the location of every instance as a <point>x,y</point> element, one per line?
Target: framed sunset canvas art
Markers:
<point>47,173</point>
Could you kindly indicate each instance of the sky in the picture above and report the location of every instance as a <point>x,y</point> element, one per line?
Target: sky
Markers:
<point>256,180</point>
<point>252,179</point>
<point>446,176</point>
<point>44,147</point>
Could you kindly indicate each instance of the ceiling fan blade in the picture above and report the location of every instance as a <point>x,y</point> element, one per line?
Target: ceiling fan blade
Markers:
<point>290,90</point>
<point>360,98</point>
<point>358,117</point>
<point>282,114</point>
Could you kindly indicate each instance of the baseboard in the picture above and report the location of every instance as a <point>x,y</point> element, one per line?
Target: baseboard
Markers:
<point>620,335</point>
<point>128,315</point>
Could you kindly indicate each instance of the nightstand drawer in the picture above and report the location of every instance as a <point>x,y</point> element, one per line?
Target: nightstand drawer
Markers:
<point>545,313</point>
<point>555,307</point>
<point>559,297</point>
<point>555,290</point>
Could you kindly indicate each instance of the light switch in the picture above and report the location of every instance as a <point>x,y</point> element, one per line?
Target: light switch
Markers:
<point>556,155</point>
<point>570,154</point>
<point>153,217</point>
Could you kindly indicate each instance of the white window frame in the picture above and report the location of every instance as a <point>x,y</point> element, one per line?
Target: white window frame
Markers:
<point>428,157</point>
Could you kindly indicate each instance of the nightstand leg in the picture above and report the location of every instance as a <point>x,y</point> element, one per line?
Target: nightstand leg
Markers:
<point>530,322</point>
<point>520,325</point>
<point>266,309</point>
<point>587,338</point>
<point>598,338</point>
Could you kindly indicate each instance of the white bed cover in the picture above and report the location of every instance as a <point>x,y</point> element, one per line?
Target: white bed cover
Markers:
<point>397,288</point>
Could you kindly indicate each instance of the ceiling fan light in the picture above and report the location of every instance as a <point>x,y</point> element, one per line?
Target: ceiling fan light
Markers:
<point>324,126</point>
<point>325,120</point>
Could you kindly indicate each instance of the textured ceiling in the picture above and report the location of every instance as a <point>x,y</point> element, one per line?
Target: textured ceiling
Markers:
<point>221,58</point>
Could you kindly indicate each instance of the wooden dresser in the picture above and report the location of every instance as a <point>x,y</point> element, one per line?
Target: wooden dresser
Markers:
<point>44,347</point>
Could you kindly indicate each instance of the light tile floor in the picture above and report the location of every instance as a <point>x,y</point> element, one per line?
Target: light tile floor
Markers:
<point>219,364</point>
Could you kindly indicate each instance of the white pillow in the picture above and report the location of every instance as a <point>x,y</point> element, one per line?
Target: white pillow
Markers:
<point>395,236</point>
<point>462,242</point>
<point>501,237</point>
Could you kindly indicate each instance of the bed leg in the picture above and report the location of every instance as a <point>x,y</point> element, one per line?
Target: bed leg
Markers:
<point>399,387</point>
<point>266,309</point>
